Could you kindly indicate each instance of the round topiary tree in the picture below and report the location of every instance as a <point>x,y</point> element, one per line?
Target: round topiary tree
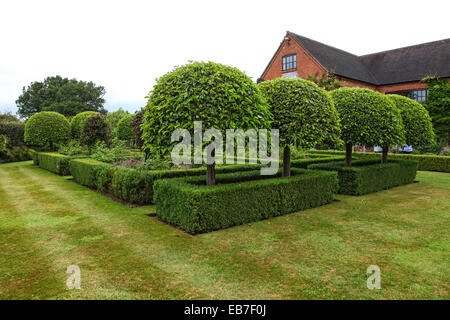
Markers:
<point>416,121</point>
<point>47,129</point>
<point>303,113</point>
<point>367,118</point>
<point>75,123</point>
<point>124,130</point>
<point>95,128</point>
<point>220,96</point>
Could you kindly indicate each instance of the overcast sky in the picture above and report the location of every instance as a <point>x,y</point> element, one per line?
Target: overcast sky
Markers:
<point>125,45</point>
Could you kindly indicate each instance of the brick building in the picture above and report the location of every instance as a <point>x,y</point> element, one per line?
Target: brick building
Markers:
<point>394,71</point>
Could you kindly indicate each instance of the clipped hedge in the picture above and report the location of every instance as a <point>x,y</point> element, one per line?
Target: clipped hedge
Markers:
<point>367,176</point>
<point>130,185</point>
<point>426,162</point>
<point>240,198</point>
<point>304,163</point>
<point>54,162</point>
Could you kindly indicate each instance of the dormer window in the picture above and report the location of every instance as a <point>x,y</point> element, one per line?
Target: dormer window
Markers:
<point>289,62</point>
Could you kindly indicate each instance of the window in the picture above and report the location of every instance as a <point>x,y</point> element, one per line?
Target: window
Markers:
<point>289,62</point>
<point>419,95</point>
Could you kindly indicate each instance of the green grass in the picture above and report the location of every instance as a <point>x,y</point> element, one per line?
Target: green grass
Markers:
<point>48,222</point>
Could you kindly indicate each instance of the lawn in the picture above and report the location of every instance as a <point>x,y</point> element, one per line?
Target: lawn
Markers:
<point>48,222</point>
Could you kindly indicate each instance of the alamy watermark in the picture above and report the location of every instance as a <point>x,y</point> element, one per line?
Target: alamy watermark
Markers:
<point>74,280</point>
<point>374,280</point>
<point>235,147</point>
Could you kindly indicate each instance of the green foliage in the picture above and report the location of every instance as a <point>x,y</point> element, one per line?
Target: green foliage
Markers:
<point>47,129</point>
<point>367,117</point>
<point>125,130</point>
<point>220,96</point>
<point>195,207</point>
<point>54,162</point>
<point>62,95</point>
<point>367,176</point>
<point>110,154</point>
<point>304,163</point>
<point>95,128</point>
<point>436,147</point>
<point>114,118</point>
<point>8,117</point>
<point>72,148</point>
<point>416,121</point>
<point>75,123</point>
<point>85,171</point>
<point>438,105</point>
<point>136,123</point>
<point>302,111</point>
<point>14,130</point>
<point>12,153</point>
<point>327,82</point>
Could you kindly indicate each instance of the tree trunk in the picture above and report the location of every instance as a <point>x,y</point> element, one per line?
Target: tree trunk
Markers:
<point>211,171</point>
<point>385,154</point>
<point>287,162</point>
<point>51,146</point>
<point>348,154</point>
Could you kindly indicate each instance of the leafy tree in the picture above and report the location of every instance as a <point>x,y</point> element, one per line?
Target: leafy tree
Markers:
<point>8,117</point>
<point>75,123</point>
<point>47,129</point>
<point>114,118</point>
<point>327,82</point>
<point>63,95</point>
<point>220,96</point>
<point>416,121</point>
<point>303,113</point>
<point>125,130</point>
<point>367,118</point>
<point>136,123</point>
<point>438,105</point>
<point>95,128</point>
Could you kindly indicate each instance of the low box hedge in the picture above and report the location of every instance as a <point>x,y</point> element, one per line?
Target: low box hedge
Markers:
<point>426,162</point>
<point>239,198</point>
<point>54,162</point>
<point>367,176</point>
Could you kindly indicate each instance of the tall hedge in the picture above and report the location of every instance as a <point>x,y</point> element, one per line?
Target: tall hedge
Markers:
<point>47,128</point>
<point>75,123</point>
<point>367,118</point>
<point>416,121</point>
<point>302,112</point>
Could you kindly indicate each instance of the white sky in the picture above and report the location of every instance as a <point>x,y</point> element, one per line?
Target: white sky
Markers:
<point>125,45</point>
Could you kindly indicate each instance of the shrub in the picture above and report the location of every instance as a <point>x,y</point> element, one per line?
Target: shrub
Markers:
<point>136,123</point>
<point>239,198</point>
<point>368,118</point>
<point>54,162</point>
<point>302,112</point>
<point>304,163</point>
<point>75,123</point>
<point>114,117</point>
<point>124,129</point>
<point>73,148</point>
<point>95,128</point>
<point>85,171</point>
<point>367,176</point>
<point>116,152</point>
<point>14,130</point>
<point>47,129</point>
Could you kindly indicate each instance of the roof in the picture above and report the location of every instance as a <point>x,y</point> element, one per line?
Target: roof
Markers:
<point>393,66</point>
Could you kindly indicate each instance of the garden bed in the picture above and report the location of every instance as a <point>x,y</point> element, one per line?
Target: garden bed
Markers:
<point>239,198</point>
<point>367,176</point>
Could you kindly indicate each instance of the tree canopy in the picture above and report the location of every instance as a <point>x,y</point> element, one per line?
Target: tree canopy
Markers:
<point>114,118</point>
<point>75,123</point>
<point>125,130</point>
<point>65,96</point>
<point>47,129</point>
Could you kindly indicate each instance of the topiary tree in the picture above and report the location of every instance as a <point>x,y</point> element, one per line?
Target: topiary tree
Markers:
<point>114,118</point>
<point>367,118</point>
<point>416,121</point>
<point>124,130</point>
<point>303,113</point>
<point>220,96</point>
<point>47,128</point>
<point>95,128</point>
<point>75,123</point>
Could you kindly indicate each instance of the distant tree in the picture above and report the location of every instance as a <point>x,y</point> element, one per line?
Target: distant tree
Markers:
<point>302,112</point>
<point>327,82</point>
<point>438,105</point>
<point>65,96</point>
<point>124,130</point>
<point>8,117</point>
<point>114,118</point>
<point>47,129</point>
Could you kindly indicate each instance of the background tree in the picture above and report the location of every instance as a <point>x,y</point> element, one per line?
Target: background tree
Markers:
<point>220,96</point>
<point>367,118</point>
<point>63,95</point>
<point>114,118</point>
<point>75,123</point>
<point>416,121</point>
<point>8,116</point>
<point>303,113</point>
<point>95,128</point>
<point>47,129</point>
<point>438,105</point>
<point>327,82</point>
<point>125,130</point>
